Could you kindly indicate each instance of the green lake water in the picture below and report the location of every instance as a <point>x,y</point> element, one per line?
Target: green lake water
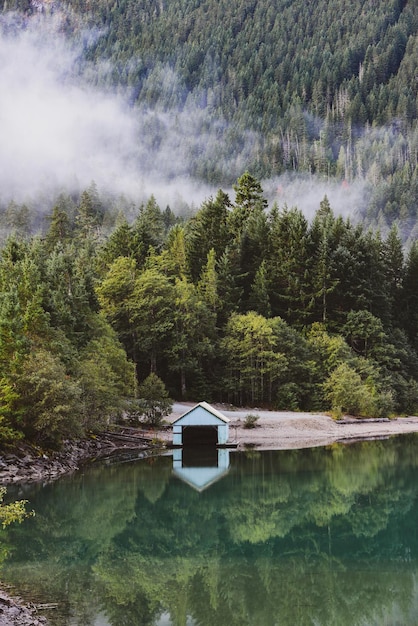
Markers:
<point>327,536</point>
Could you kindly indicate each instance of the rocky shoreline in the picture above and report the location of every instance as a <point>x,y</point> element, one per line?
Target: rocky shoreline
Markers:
<point>14,613</point>
<point>27,464</point>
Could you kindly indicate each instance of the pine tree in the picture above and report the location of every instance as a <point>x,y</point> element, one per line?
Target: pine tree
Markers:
<point>207,230</point>
<point>410,295</point>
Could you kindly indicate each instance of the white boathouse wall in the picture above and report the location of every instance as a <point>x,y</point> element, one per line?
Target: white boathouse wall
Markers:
<point>201,415</point>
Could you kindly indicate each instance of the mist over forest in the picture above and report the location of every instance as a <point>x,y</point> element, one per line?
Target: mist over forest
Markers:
<point>60,132</point>
<point>133,97</point>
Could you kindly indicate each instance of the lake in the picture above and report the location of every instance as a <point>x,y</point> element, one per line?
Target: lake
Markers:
<point>324,536</point>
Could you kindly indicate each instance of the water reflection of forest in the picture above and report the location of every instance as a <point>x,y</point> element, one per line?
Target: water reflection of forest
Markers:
<point>321,536</point>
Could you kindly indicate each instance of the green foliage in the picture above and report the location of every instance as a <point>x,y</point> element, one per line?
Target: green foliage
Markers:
<point>364,333</point>
<point>13,512</point>
<point>106,378</point>
<point>331,349</point>
<point>289,397</point>
<point>346,392</point>
<point>254,362</point>
<point>89,214</point>
<point>251,420</point>
<point>207,286</point>
<point>207,230</point>
<point>59,231</point>
<point>287,259</point>
<point>48,399</point>
<point>336,99</point>
<point>62,368</point>
<point>328,352</point>
<point>249,201</point>
<point>153,403</point>
<point>349,394</point>
<point>152,313</point>
<point>192,334</point>
<point>324,89</point>
<point>268,310</point>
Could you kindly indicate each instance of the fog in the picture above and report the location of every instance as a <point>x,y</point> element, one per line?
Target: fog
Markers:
<point>60,133</point>
<point>306,193</point>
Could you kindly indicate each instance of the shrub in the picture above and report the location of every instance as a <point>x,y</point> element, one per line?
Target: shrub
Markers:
<point>348,394</point>
<point>153,403</point>
<point>250,421</point>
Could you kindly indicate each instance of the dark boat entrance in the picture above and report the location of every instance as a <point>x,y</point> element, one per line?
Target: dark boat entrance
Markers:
<point>200,435</point>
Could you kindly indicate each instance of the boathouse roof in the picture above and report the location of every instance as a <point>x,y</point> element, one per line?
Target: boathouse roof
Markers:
<point>203,410</point>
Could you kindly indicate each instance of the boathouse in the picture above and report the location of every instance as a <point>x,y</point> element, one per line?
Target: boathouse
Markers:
<point>201,424</point>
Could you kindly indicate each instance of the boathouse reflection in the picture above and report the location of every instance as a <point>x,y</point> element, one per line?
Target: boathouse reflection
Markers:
<point>201,466</point>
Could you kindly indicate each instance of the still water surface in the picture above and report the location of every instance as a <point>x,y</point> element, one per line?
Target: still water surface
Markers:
<point>327,536</point>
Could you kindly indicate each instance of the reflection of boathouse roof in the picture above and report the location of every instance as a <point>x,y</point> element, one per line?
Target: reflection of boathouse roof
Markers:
<point>200,478</point>
<point>201,408</point>
<point>200,467</point>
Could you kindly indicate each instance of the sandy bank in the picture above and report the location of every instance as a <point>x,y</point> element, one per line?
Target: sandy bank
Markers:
<point>283,430</point>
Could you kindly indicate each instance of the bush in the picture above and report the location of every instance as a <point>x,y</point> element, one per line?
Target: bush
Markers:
<point>348,394</point>
<point>384,404</point>
<point>344,390</point>
<point>250,421</point>
<point>153,403</point>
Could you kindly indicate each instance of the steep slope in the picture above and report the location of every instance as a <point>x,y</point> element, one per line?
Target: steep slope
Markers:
<point>323,88</point>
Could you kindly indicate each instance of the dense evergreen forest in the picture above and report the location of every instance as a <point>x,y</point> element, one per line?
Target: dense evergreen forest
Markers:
<point>320,89</point>
<point>238,300</point>
<point>239,303</point>
<point>326,88</point>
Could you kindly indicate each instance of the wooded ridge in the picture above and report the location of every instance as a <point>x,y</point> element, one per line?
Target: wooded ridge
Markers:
<point>239,303</point>
<point>327,89</point>
<point>107,301</point>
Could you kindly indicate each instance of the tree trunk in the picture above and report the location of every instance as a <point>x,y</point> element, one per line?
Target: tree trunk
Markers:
<point>153,368</point>
<point>183,383</point>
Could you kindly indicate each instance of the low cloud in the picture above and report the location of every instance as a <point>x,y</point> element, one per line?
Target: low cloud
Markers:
<point>59,132</point>
<point>306,193</point>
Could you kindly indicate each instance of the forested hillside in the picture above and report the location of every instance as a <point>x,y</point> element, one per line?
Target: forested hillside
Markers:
<point>237,299</point>
<point>254,61</point>
<point>323,89</point>
<point>328,88</point>
<point>235,304</point>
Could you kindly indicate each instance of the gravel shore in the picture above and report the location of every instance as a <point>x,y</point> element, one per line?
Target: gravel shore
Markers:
<point>284,430</point>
